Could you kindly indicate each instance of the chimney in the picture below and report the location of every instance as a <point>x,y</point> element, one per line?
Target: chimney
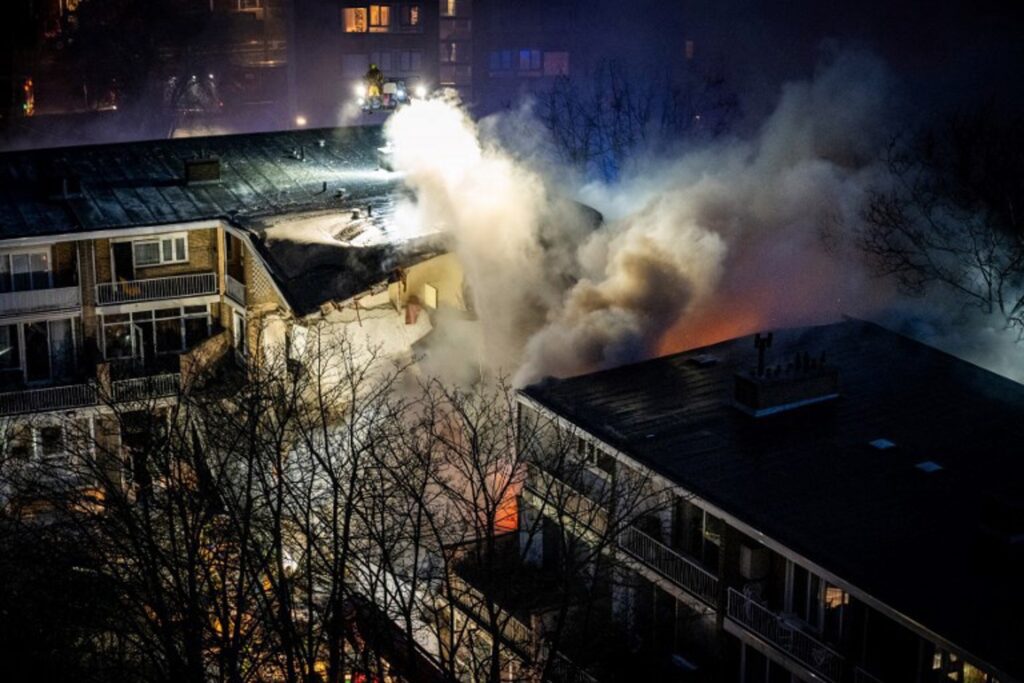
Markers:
<point>763,390</point>
<point>202,170</point>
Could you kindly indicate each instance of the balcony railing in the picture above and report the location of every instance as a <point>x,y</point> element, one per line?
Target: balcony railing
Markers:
<point>144,388</point>
<point>565,500</point>
<point>474,603</point>
<point>54,299</point>
<point>785,636</point>
<point>565,671</point>
<point>681,571</point>
<point>862,676</point>
<point>235,290</point>
<point>46,399</point>
<point>171,287</point>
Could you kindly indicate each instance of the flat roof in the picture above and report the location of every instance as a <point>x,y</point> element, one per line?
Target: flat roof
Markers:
<point>811,479</point>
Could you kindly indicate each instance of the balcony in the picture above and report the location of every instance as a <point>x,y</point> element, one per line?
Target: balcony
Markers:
<point>50,398</point>
<point>85,395</point>
<point>862,676</point>
<point>172,287</point>
<point>36,300</point>
<point>681,571</point>
<point>235,290</point>
<point>785,636</point>
<point>145,388</point>
<point>565,503</point>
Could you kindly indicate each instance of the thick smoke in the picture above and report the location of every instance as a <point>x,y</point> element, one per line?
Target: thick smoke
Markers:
<point>736,236</point>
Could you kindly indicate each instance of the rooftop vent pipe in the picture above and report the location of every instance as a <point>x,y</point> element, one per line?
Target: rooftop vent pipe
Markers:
<point>765,390</point>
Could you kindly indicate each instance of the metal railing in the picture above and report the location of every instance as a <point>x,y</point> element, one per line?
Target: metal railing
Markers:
<point>785,636</point>
<point>235,289</point>
<point>49,398</point>
<point>144,388</point>
<point>564,500</point>
<point>474,603</point>
<point>678,569</point>
<point>53,299</point>
<point>563,670</point>
<point>171,287</point>
<point>862,676</point>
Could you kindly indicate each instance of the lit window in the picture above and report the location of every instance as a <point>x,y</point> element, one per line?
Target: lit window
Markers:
<point>449,8</point>
<point>161,250</point>
<point>355,20</point>
<point>835,597</point>
<point>380,18</point>
<point>248,5</point>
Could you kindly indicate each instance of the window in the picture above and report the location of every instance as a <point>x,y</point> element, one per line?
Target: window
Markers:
<point>410,60</point>
<point>409,15</point>
<point>51,440</point>
<point>380,18</point>
<point>501,60</point>
<point>23,271</point>
<point>529,60</point>
<point>249,5</point>
<point>556,63</point>
<point>355,19</point>
<point>117,336</point>
<point>355,65</point>
<point>449,8</point>
<point>10,355</point>
<point>143,334</point>
<point>449,52</point>
<point>160,250</point>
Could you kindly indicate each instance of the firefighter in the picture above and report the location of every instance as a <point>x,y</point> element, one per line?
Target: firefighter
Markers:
<point>374,82</point>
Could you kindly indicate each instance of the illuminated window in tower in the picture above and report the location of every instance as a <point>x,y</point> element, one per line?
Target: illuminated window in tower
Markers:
<point>411,15</point>
<point>355,20</point>
<point>380,18</point>
<point>449,8</point>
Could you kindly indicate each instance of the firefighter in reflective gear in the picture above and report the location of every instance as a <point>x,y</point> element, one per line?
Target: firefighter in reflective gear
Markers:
<point>374,82</point>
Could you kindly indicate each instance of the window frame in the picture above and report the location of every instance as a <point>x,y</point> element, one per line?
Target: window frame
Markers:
<point>350,21</point>
<point>383,23</point>
<point>28,252</point>
<point>161,241</point>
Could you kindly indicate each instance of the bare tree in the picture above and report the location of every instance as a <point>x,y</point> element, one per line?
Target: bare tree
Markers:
<point>601,124</point>
<point>949,212</point>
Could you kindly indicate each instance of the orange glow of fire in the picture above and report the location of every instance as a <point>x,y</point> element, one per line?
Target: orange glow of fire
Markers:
<point>506,517</point>
<point>709,326</point>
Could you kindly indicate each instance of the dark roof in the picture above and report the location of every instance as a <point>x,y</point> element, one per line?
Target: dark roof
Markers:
<point>809,478</point>
<point>140,183</point>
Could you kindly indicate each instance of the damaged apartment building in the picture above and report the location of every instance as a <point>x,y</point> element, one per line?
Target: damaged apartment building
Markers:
<point>835,503</point>
<point>125,269</point>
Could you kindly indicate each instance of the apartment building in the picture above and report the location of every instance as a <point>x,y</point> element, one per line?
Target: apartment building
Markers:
<point>337,40</point>
<point>125,269</point>
<point>456,47</point>
<point>521,47</point>
<point>844,508</point>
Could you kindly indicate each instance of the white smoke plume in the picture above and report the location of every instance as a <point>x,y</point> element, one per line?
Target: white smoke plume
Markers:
<point>737,236</point>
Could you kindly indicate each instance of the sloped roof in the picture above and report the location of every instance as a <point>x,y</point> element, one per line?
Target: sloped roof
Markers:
<point>140,183</point>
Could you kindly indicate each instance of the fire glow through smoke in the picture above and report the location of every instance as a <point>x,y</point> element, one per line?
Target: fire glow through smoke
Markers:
<point>733,237</point>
